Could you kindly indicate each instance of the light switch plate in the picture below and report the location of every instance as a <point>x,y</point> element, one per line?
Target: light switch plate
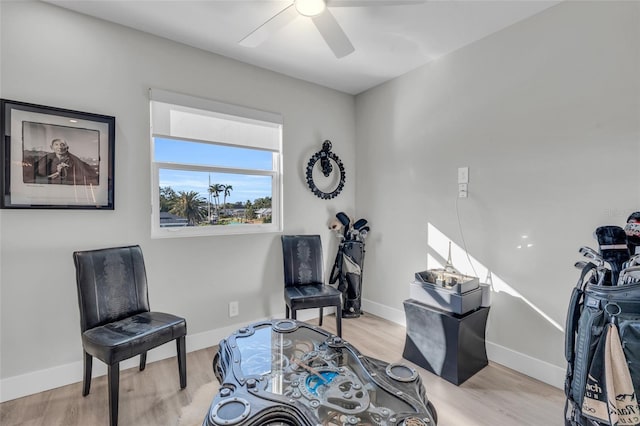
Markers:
<point>463,174</point>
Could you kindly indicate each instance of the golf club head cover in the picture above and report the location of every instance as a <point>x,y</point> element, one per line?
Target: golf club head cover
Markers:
<point>632,229</point>
<point>345,221</point>
<point>613,248</point>
<point>359,224</point>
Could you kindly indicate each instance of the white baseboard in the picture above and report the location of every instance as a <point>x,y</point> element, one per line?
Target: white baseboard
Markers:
<point>51,378</point>
<point>525,364</point>
<point>383,311</point>
<point>62,375</point>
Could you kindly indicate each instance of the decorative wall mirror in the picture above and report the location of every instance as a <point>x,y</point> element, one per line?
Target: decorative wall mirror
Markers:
<point>325,173</point>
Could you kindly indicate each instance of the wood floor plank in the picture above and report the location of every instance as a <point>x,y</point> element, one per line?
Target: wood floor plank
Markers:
<point>494,396</point>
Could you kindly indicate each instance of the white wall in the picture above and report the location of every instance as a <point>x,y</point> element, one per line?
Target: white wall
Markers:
<point>547,116</point>
<point>54,57</point>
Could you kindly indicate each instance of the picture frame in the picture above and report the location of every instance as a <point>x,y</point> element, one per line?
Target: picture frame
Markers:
<point>55,158</point>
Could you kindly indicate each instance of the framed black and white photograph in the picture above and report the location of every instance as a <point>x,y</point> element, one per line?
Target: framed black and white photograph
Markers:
<point>56,158</point>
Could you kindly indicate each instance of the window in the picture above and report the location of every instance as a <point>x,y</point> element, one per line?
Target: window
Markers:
<point>216,168</point>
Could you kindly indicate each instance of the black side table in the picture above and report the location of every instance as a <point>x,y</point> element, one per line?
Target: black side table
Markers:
<point>449,345</point>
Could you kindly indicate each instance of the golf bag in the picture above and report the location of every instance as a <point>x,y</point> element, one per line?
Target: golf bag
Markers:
<point>347,271</point>
<point>597,301</point>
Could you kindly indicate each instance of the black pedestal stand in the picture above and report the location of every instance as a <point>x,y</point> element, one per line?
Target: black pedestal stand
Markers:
<point>449,345</point>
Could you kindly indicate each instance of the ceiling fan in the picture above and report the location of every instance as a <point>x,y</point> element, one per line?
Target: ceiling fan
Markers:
<point>323,19</point>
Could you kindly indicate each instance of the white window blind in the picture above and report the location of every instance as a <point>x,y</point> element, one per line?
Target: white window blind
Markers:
<point>186,117</point>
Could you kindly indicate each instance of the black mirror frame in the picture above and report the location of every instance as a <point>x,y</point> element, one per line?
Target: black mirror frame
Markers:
<point>325,156</point>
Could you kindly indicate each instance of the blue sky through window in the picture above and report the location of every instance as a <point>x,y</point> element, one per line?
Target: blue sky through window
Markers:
<point>245,187</point>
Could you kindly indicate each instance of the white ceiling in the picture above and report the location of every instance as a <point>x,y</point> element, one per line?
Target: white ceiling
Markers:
<point>389,40</point>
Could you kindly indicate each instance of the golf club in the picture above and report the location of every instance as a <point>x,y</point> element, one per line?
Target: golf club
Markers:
<point>629,275</point>
<point>581,264</point>
<point>592,254</point>
<point>603,275</point>
<point>634,261</point>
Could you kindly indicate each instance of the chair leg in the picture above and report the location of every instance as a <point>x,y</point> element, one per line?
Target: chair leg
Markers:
<point>321,316</point>
<point>182,361</point>
<point>339,321</point>
<point>88,363</point>
<point>293,314</point>
<point>288,311</point>
<point>143,361</point>
<point>114,383</point>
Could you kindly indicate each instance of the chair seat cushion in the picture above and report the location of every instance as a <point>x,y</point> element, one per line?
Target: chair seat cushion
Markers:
<point>311,296</point>
<point>120,340</point>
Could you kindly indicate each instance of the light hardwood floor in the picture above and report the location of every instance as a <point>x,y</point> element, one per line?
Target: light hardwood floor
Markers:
<point>495,396</point>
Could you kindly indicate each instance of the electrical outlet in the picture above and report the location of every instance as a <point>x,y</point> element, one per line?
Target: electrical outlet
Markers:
<point>463,174</point>
<point>463,190</point>
<point>234,309</point>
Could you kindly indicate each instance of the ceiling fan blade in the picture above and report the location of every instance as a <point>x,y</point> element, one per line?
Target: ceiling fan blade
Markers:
<point>264,31</point>
<point>332,33</point>
<point>355,3</point>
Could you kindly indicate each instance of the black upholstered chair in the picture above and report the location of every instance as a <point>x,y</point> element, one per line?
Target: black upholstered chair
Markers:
<point>304,286</point>
<point>115,319</point>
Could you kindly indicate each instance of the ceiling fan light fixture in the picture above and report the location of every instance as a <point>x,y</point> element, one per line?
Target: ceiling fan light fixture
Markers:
<point>310,8</point>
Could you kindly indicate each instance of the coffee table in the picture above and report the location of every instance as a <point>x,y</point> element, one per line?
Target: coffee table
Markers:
<point>286,372</point>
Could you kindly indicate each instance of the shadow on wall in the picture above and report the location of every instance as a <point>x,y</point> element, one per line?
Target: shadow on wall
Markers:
<point>438,247</point>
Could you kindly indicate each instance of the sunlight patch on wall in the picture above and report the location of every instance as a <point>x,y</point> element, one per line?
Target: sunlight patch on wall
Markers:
<point>468,265</point>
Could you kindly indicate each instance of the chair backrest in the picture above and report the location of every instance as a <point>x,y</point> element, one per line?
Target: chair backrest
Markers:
<point>302,255</point>
<point>112,284</point>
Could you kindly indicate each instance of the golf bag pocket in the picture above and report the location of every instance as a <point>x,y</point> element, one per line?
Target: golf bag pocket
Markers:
<point>629,326</point>
<point>590,328</point>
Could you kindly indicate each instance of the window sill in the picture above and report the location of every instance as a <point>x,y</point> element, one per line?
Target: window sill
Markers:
<point>206,231</point>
